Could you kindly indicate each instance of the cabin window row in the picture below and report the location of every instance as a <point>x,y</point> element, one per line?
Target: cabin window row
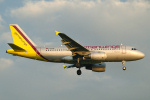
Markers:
<point>56,49</point>
<point>90,49</point>
<point>106,49</point>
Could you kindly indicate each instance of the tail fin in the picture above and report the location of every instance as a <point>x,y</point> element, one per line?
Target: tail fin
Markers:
<point>23,45</point>
<point>20,38</point>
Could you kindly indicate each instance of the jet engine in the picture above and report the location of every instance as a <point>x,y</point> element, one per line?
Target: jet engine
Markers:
<point>96,56</point>
<point>99,67</point>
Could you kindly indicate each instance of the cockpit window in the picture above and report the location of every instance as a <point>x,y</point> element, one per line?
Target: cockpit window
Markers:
<point>134,49</point>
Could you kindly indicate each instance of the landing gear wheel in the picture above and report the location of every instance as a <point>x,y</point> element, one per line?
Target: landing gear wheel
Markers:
<point>79,72</point>
<point>124,68</point>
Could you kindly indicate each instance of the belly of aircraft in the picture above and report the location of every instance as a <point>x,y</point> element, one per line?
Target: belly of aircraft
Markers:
<point>55,55</point>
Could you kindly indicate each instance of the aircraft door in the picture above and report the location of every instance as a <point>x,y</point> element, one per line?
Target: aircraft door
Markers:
<point>123,49</point>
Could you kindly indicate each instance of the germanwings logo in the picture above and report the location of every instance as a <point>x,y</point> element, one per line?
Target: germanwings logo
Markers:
<point>101,47</point>
<point>20,39</point>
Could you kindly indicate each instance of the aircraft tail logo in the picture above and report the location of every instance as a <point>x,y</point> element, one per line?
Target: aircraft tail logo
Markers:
<point>23,45</point>
<point>20,38</point>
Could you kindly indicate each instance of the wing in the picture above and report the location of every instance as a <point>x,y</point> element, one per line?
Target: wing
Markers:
<point>72,45</point>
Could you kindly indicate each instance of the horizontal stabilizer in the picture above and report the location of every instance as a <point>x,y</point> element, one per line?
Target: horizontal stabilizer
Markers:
<point>64,66</point>
<point>70,66</point>
<point>16,48</point>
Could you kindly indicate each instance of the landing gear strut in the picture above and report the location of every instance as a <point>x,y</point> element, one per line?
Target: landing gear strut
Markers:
<point>78,65</point>
<point>123,64</point>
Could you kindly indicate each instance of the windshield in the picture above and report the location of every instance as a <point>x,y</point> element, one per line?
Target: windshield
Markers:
<point>133,49</point>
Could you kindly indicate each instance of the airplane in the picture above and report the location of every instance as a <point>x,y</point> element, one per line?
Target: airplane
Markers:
<point>91,57</point>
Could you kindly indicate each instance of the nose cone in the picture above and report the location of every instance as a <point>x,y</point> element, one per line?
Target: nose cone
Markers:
<point>141,55</point>
<point>136,55</point>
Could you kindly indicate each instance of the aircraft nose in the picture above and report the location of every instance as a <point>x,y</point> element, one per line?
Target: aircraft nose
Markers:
<point>141,55</point>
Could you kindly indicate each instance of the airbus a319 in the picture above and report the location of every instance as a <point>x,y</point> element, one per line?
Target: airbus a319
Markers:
<point>91,57</point>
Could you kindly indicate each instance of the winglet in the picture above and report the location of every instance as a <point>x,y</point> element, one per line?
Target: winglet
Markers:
<point>57,32</point>
<point>64,66</point>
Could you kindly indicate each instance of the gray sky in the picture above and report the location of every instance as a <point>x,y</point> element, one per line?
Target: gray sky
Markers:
<point>97,22</point>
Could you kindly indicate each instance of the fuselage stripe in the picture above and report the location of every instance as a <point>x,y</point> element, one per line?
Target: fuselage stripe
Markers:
<point>34,48</point>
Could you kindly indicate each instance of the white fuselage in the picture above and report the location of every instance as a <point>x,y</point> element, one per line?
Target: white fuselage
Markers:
<point>110,54</point>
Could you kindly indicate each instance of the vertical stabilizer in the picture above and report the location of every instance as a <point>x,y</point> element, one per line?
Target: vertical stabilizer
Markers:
<point>20,38</point>
<point>23,45</point>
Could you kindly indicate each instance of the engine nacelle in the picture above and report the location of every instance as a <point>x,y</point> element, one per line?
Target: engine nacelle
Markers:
<point>99,67</point>
<point>96,56</point>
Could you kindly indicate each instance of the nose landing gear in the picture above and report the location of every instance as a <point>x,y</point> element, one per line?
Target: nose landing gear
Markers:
<point>123,64</point>
<point>124,68</point>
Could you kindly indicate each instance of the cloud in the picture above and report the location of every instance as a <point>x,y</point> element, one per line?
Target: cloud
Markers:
<point>1,20</point>
<point>107,17</point>
<point>5,37</point>
<point>5,63</point>
<point>44,8</point>
<point>1,1</point>
<point>38,41</point>
<point>37,9</point>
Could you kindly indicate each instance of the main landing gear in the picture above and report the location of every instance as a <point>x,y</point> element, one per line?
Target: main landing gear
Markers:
<point>79,72</point>
<point>123,64</point>
<point>78,65</point>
